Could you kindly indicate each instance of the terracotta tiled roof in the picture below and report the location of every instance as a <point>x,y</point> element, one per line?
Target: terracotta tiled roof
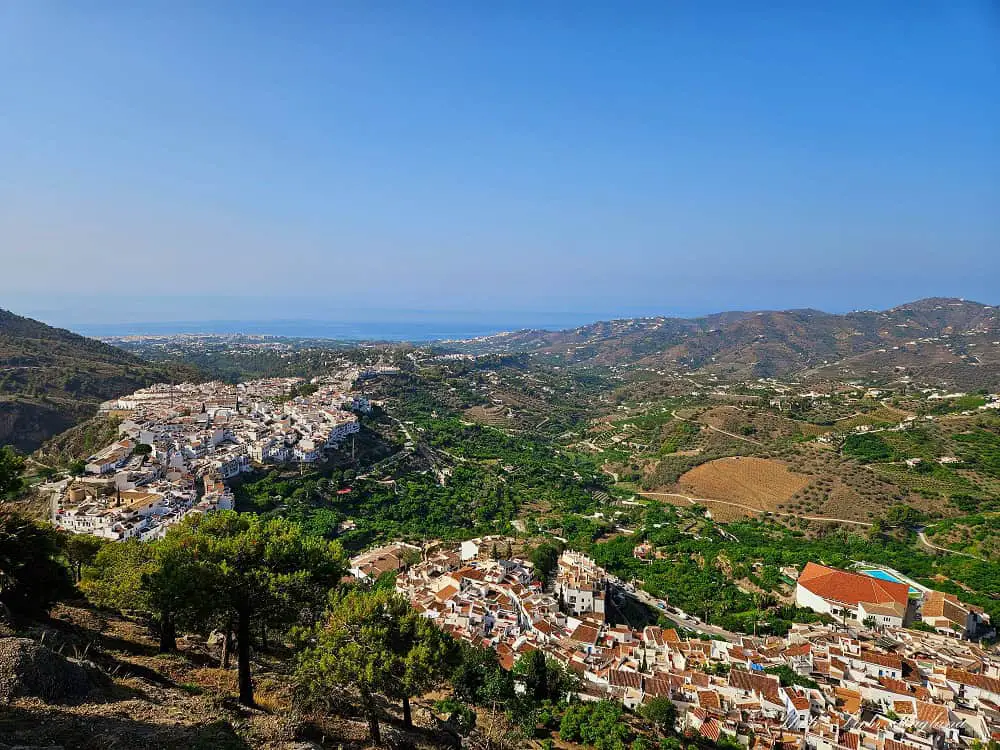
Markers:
<point>883,660</point>
<point>653,634</point>
<point>700,679</point>
<point>938,604</point>
<point>932,713</point>
<point>850,698</point>
<point>894,686</point>
<point>980,681</point>
<point>472,573</point>
<point>506,655</point>
<point>675,680</point>
<point>892,609</point>
<point>711,729</point>
<point>657,687</point>
<point>709,699</point>
<point>624,678</point>
<point>800,702</point>
<point>851,588</point>
<point>544,626</point>
<point>585,634</point>
<point>446,593</point>
<point>758,684</point>
<point>903,708</point>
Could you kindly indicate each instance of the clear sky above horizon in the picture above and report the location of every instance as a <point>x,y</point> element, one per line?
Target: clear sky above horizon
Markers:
<point>181,161</point>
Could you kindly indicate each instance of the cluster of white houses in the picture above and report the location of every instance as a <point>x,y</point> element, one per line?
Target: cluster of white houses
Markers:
<point>875,688</point>
<point>178,444</point>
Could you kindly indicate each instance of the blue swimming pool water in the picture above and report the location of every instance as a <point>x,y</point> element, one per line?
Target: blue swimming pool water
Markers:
<point>883,576</point>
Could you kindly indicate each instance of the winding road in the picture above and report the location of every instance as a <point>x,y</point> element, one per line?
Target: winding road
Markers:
<point>930,545</point>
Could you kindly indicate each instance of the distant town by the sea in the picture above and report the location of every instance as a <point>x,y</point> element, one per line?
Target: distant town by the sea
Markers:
<point>357,330</point>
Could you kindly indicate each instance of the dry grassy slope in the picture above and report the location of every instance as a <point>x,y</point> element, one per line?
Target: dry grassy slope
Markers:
<point>758,482</point>
<point>835,486</point>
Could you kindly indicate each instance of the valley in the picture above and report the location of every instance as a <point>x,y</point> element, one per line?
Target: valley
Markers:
<point>698,493</point>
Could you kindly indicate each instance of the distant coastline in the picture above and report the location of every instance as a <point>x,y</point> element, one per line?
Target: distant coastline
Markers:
<point>376,330</point>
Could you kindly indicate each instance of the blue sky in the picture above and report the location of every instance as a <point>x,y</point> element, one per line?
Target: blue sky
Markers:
<point>180,161</point>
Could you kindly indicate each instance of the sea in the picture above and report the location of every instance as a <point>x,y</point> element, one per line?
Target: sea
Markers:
<point>415,328</point>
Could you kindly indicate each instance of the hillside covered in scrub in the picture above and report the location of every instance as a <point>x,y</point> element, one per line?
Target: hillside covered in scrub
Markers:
<point>51,378</point>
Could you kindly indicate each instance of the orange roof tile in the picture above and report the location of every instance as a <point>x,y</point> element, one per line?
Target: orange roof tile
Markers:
<point>850,698</point>
<point>711,729</point>
<point>851,588</point>
<point>585,634</point>
<point>657,687</point>
<point>883,660</point>
<point>990,684</point>
<point>446,593</point>
<point>932,713</point>
<point>938,604</point>
<point>709,699</point>
<point>800,702</point>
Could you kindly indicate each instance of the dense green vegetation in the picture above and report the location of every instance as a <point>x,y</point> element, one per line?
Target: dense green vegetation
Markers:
<point>867,447</point>
<point>375,643</point>
<point>236,358</point>
<point>788,676</point>
<point>981,451</point>
<point>32,575</point>
<point>969,402</point>
<point>242,572</point>
<point>600,725</point>
<point>11,466</point>
<point>693,578</point>
<point>977,534</point>
<point>490,475</point>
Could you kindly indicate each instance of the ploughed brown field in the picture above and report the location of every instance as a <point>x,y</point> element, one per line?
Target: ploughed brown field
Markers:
<point>758,482</point>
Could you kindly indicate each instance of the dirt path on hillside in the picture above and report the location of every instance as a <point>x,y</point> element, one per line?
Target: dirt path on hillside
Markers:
<point>933,547</point>
<point>716,429</point>
<point>696,500</point>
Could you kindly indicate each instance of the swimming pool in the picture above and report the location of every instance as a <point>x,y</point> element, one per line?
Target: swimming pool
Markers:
<point>883,576</point>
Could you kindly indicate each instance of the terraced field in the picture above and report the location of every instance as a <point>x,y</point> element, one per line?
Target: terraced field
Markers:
<point>758,482</point>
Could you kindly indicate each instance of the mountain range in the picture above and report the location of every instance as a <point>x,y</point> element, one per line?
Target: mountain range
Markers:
<point>945,340</point>
<point>51,378</point>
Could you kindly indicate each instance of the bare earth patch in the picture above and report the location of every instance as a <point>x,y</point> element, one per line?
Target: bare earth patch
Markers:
<point>757,482</point>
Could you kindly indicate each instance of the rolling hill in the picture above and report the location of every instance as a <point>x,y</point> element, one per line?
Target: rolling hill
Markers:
<point>51,378</point>
<point>939,339</point>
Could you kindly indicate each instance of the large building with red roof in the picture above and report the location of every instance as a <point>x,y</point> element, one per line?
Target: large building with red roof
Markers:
<point>853,596</point>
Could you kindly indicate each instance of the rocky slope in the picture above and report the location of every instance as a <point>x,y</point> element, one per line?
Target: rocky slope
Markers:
<point>89,680</point>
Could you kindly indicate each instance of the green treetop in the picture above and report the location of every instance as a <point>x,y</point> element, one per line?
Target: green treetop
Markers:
<point>372,641</point>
